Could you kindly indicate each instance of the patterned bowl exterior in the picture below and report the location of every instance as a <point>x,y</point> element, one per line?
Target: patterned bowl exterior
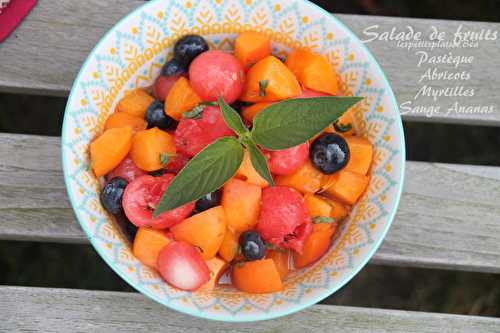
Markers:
<point>130,55</point>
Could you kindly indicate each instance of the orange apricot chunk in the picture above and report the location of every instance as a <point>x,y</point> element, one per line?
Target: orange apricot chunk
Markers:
<point>229,247</point>
<point>135,103</point>
<point>248,173</point>
<point>313,71</point>
<point>205,230</point>
<point>109,149</point>
<point>315,245</point>
<point>217,267</point>
<point>257,277</point>
<point>339,210</point>
<point>348,186</point>
<point>269,80</point>
<point>180,99</point>
<point>361,154</point>
<point>147,245</point>
<point>251,46</point>
<point>149,145</point>
<point>328,207</point>
<point>281,259</point>
<point>123,119</point>
<point>307,179</point>
<point>241,202</point>
<point>251,111</point>
<point>317,205</point>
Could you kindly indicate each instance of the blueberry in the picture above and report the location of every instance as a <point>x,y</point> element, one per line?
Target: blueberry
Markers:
<point>329,153</point>
<point>128,229</point>
<point>189,47</point>
<point>174,67</point>
<point>208,201</point>
<point>156,117</point>
<point>112,193</point>
<point>252,246</point>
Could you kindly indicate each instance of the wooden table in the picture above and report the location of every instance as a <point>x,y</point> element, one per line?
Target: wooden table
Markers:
<point>449,216</point>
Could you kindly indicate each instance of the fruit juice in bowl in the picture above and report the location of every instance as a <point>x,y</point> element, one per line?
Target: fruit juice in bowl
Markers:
<point>245,167</point>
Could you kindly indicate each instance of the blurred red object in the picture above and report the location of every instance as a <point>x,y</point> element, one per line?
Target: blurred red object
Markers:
<point>12,13</point>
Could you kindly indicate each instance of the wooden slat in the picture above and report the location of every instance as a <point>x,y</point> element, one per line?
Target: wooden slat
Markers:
<point>65,310</point>
<point>45,53</point>
<point>449,215</point>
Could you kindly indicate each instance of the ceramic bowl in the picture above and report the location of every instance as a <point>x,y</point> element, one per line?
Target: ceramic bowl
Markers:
<point>131,54</point>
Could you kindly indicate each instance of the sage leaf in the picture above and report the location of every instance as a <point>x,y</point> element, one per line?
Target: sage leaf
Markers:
<point>197,111</point>
<point>232,118</point>
<point>291,122</point>
<point>341,128</point>
<point>165,158</point>
<point>205,173</point>
<point>323,219</point>
<point>262,87</point>
<point>259,161</point>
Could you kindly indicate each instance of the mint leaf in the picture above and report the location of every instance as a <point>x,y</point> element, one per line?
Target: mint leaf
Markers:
<point>323,219</point>
<point>232,118</point>
<point>262,87</point>
<point>205,173</point>
<point>197,111</point>
<point>259,162</point>
<point>165,158</point>
<point>289,123</point>
<point>341,128</point>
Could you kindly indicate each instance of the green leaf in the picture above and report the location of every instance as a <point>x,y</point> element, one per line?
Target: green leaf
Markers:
<point>259,162</point>
<point>323,219</point>
<point>165,158</point>
<point>341,128</point>
<point>197,111</point>
<point>262,87</point>
<point>292,122</point>
<point>205,173</point>
<point>232,118</point>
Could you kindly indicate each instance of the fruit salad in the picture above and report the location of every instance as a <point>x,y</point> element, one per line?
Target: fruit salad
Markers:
<point>205,182</point>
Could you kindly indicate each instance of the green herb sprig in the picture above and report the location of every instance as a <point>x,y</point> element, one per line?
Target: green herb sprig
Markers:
<point>279,126</point>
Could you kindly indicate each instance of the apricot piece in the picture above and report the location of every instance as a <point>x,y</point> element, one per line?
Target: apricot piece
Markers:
<point>148,147</point>
<point>307,179</point>
<point>321,206</point>
<point>257,277</point>
<point>123,119</point>
<point>147,245</point>
<point>205,230</point>
<point>269,80</point>
<point>339,210</point>
<point>109,149</point>
<point>316,245</point>
<point>281,258</point>
<point>361,154</point>
<point>348,186</point>
<point>135,103</point>
<point>251,46</point>
<point>217,267</point>
<point>313,71</point>
<point>229,247</point>
<point>241,202</point>
<point>180,99</point>
<point>317,205</point>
